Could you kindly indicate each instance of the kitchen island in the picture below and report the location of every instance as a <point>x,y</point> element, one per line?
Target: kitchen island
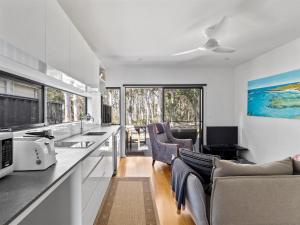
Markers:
<point>64,193</point>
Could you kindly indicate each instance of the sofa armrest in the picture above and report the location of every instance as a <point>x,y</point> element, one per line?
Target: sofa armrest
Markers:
<point>196,200</point>
<point>255,200</point>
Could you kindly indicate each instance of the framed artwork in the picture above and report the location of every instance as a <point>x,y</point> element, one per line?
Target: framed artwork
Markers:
<point>275,96</point>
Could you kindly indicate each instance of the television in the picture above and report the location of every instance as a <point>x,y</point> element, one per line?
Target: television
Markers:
<point>222,135</point>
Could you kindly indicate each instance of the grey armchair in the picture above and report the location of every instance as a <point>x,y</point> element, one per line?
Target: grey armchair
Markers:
<point>163,144</point>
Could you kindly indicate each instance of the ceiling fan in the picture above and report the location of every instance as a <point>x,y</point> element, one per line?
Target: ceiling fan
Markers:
<point>212,44</point>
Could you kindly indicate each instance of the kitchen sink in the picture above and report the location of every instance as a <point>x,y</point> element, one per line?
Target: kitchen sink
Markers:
<point>94,133</point>
<point>73,144</point>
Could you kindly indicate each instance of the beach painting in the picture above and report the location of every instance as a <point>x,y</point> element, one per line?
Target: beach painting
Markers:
<point>275,96</point>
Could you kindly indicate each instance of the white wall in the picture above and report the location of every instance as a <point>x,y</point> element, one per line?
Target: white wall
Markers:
<point>219,92</point>
<point>267,138</point>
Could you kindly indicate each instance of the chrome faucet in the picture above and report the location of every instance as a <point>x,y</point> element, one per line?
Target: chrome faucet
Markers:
<point>86,117</point>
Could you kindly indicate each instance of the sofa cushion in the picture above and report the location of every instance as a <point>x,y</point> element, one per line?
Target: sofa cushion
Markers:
<point>201,163</point>
<point>225,168</point>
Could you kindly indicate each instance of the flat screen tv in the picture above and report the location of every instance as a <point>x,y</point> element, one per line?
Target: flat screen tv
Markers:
<point>222,135</point>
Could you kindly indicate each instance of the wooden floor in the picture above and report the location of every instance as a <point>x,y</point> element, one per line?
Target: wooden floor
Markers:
<point>160,178</point>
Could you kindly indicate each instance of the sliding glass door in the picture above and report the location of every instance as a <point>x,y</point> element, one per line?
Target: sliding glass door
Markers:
<point>182,106</point>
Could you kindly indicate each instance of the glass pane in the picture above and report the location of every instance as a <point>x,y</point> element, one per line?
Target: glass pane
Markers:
<point>22,105</point>
<point>63,106</point>
<point>25,90</point>
<point>182,106</point>
<point>143,105</point>
<point>112,98</point>
<point>2,86</point>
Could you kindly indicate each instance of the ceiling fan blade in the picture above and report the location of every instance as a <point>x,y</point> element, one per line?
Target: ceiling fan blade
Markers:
<point>221,49</point>
<point>213,31</point>
<point>189,51</point>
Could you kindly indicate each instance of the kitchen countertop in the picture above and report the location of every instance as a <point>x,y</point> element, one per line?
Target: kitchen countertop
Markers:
<point>20,189</point>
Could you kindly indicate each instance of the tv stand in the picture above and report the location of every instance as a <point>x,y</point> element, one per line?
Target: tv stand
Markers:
<point>224,151</point>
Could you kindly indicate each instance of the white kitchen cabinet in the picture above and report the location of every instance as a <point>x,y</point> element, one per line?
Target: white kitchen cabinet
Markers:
<point>57,37</point>
<point>97,170</point>
<point>22,24</point>
<point>78,54</point>
<point>41,29</point>
<point>84,65</point>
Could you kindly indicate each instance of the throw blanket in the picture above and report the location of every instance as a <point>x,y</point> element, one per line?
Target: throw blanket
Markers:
<point>180,173</point>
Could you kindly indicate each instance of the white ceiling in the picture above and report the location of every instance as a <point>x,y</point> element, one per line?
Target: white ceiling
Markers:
<point>150,31</point>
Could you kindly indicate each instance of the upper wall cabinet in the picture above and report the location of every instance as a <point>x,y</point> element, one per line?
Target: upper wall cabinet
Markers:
<point>22,24</point>
<point>57,37</point>
<point>43,30</point>
<point>83,63</point>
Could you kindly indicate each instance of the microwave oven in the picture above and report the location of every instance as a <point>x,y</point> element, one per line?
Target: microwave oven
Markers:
<point>6,153</point>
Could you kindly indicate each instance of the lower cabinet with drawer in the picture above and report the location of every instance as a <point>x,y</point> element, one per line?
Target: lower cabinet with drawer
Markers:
<point>97,170</point>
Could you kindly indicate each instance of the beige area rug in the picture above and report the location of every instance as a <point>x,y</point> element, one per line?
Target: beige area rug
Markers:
<point>129,201</point>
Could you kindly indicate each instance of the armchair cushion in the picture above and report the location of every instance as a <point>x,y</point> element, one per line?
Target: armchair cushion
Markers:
<point>182,143</point>
<point>162,138</point>
<point>224,168</point>
<point>159,128</point>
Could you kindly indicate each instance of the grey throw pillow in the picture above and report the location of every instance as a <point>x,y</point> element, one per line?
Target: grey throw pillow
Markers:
<point>224,168</point>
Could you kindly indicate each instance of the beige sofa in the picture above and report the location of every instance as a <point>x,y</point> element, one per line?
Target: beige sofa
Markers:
<point>245,200</point>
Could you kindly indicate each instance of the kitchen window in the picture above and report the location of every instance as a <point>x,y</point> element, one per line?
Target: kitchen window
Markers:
<point>112,97</point>
<point>63,106</point>
<point>21,102</point>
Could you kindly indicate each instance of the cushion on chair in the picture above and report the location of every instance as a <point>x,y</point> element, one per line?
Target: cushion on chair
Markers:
<point>159,128</point>
<point>224,168</point>
<point>201,163</point>
<point>162,138</point>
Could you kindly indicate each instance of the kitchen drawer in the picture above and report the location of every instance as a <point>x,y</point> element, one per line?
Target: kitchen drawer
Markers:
<point>97,151</point>
<point>96,176</point>
<point>88,165</point>
<point>103,149</point>
<point>108,162</point>
<point>90,212</point>
<point>88,189</point>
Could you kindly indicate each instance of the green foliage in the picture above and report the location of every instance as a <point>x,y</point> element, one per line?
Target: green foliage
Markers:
<point>182,105</point>
<point>55,95</point>
<point>144,105</point>
<point>64,106</point>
